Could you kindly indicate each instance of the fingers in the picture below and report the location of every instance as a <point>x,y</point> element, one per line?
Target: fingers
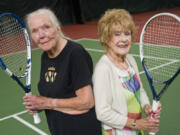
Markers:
<point>147,109</point>
<point>27,98</point>
<point>34,102</point>
<point>153,125</point>
<point>148,124</point>
<point>154,130</point>
<point>154,114</point>
<point>29,102</point>
<point>157,113</point>
<point>31,112</point>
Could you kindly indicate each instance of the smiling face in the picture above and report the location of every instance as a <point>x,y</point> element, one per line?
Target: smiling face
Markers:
<point>119,43</point>
<point>43,33</point>
<point>116,30</point>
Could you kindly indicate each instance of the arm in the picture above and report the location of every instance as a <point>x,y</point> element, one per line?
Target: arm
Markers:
<point>144,98</point>
<point>83,101</point>
<point>104,100</point>
<point>147,124</point>
<point>81,73</point>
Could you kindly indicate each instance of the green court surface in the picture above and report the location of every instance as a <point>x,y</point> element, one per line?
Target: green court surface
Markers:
<point>14,119</point>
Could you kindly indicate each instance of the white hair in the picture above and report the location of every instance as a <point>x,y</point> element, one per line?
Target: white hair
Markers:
<point>47,12</point>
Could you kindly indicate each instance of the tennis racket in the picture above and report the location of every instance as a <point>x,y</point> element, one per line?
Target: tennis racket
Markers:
<point>15,52</point>
<point>160,53</point>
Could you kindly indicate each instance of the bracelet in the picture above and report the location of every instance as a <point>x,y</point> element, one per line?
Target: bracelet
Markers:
<point>133,123</point>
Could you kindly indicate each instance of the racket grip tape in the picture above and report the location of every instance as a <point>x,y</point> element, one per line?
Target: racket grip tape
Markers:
<point>36,116</point>
<point>155,106</point>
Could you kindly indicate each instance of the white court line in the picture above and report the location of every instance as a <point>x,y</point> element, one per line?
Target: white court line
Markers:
<point>167,59</point>
<point>134,43</point>
<point>135,55</point>
<point>15,116</point>
<point>158,66</point>
<point>90,39</point>
<point>95,50</point>
<point>29,125</point>
<point>10,116</point>
<point>102,51</point>
<point>86,39</point>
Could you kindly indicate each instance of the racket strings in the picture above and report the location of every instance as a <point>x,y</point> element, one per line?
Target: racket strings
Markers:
<point>162,48</point>
<point>13,45</point>
<point>163,30</point>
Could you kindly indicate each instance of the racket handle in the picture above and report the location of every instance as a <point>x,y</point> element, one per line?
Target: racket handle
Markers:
<point>155,106</point>
<point>36,117</point>
<point>152,133</point>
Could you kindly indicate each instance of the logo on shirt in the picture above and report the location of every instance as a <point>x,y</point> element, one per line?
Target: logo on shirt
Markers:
<point>50,75</point>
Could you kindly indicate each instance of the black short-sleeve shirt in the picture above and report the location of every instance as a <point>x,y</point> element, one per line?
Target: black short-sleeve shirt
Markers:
<point>60,77</point>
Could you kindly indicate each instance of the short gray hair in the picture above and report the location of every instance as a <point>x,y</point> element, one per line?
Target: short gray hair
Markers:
<point>46,11</point>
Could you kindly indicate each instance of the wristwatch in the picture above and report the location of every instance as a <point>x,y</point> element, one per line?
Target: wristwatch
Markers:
<point>133,123</point>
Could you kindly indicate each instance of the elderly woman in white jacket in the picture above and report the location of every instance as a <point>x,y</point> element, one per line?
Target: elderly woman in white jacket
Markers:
<point>119,96</point>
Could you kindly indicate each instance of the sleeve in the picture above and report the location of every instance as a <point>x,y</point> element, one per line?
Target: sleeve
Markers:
<point>104,99</point>
<point>81,68</point>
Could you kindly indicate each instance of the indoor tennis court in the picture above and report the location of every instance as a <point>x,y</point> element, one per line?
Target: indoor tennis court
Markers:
<point>14,119</point>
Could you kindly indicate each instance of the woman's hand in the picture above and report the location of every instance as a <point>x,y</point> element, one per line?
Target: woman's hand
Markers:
<point>147,124</point>
<point>34,103</point>
<point>149,112</point>
<point>147,109</point>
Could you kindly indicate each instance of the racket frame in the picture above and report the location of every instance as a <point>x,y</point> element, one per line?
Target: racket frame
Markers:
<point>150,79</point>
<point>156,97</point>
<point>27,73</point>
